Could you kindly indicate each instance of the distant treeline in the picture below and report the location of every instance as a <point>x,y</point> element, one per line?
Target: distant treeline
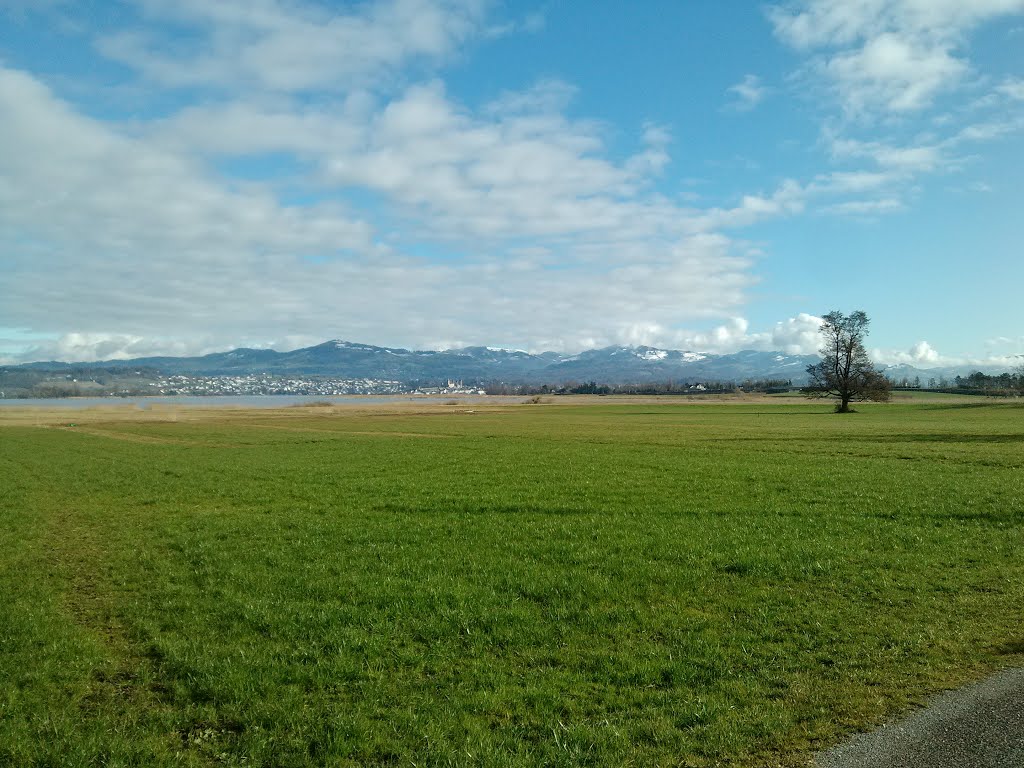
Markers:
<point>1006,384</point>
<point>649,388</point>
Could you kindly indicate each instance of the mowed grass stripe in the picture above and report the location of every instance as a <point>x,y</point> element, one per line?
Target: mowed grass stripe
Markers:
<point>602,585</point>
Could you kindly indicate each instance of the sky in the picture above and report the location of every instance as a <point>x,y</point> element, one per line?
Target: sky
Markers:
<point>183,176</point>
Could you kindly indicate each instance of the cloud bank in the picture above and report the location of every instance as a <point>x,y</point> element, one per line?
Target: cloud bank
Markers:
<point>385,209</point>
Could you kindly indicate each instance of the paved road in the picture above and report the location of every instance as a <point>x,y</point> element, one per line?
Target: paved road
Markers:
<point>980,726</point>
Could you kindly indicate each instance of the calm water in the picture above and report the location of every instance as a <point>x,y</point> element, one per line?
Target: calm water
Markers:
<point>247,401</point>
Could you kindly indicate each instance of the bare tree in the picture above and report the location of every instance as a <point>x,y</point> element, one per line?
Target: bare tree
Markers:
<point>845,371</point>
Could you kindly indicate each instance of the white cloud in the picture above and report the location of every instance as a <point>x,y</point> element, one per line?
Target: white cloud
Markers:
<point>839,182</point>
<point>728,337</point>
<point>1007,342</point>
<point>549,95</point>
<point>925,155</point>
<point>865,207</point>
<point>987,131</point>
<point>531,23</point>
<point>241,128</point>
<point>897,167</point>
<point>291,46</point>
<point>922,355</point>
<point>89,347</point>
<point>798,335</point>
<point>922,352</point>
<point>789,198</point>
<point>76,180</point>
<point>654,157</point>
<point>1013,88</point>
<point>810,24</point>
<point>896,74</point>
<point>749,92</point>
<point>520,170</point>
<point>887,56</point>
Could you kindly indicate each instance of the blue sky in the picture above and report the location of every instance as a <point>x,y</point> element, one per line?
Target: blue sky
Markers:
<point>184,177</point>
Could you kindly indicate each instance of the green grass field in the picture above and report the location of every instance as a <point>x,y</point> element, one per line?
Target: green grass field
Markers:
<point>561,585</point>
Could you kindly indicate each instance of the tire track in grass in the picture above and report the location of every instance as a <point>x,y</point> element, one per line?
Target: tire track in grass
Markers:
<point>127,712</point>
<point>127,437</point>
<point>126,686</point>
<point>430,435</point>
<point>131,437</point>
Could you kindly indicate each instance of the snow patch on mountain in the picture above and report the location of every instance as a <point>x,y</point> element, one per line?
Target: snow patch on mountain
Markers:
<point>652,354</point>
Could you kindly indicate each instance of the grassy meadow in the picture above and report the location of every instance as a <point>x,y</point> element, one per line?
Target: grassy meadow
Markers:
<point>652,584</point>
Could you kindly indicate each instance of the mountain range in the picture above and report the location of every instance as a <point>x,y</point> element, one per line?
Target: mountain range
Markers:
<point>609,365</point>
<point>344,359</point>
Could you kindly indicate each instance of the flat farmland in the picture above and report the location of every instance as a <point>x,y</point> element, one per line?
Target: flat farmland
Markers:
<point>558,584</point>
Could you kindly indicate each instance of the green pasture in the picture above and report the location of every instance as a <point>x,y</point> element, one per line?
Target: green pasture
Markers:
<point>559,585</point>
